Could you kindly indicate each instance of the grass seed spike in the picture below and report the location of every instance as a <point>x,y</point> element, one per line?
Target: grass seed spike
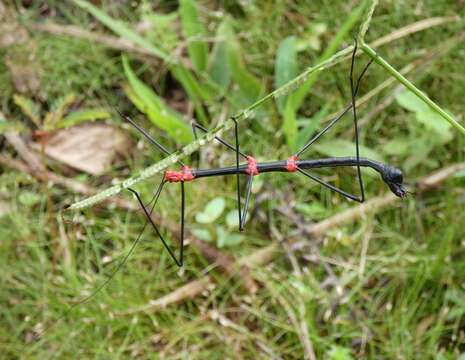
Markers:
<point>391,175</point>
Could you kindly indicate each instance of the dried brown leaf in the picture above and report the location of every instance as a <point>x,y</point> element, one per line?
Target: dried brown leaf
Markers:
<point>90,147</point>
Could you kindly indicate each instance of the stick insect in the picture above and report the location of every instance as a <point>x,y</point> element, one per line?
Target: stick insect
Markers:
<point>392,176</point>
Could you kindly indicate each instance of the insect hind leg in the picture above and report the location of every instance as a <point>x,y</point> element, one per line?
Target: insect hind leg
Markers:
<point>147,213</point>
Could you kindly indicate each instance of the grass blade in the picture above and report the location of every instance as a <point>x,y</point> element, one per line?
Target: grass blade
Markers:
<point>156,110</point>
<point>193,28</point>
<point>122,29</point>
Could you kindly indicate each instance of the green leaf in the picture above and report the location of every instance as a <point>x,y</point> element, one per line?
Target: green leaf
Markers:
<point>202,234</point>
<point>338,147</point>
<point>435,122</point>
<point>220,70</point>
<point>9,126</point>
<point>212,211</point>
<point>399,146</point>
<point>250,87</point>
<point>29,108</point>
<point>29,198</point>
<point>77,117</point>
<point>121,29</point>
<point>411,102</point>
<point>193,28</point>
<point>58,109</point>
<point>339,353</point>
<point>194,89</point>
<point>225,239</point>
<point>232,219</point>
<point>285,66</point>
<point>290,126</point>
<point>156,110</point>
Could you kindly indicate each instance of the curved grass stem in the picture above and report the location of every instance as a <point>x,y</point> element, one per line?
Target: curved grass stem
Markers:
<point>411,87</point>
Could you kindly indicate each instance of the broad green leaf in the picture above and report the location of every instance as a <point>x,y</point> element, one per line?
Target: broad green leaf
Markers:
<point>193,28</point>
<point>155,108</point>
<point>220,70</point>
<point>285,66</point>
<point>411,102</point>
<point>77,117</point>
<point>339,353</point>
<point>337,147</point>
<point>212,211</point>
<point>29,108</point>
<point>29,198</point>
<point>436,123</point>
<point>121,29</point>
<point>202,234</point>
<point>225,239</point>
<point>232,219</point>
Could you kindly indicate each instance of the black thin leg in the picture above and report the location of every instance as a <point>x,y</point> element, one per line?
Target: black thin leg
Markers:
<point>147,135</point>
<point>196,126</point>
<point>354,91</point>
<point>238,181</point>
<point>246,205</point>
<point>238,152</point>
<point>325,129</point>
<point>343,112</point>
<point>183,206</point>
<point>149,218</point>
<point>330,186</point>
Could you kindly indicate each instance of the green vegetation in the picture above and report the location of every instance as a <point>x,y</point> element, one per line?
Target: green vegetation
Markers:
<point>386,284</point>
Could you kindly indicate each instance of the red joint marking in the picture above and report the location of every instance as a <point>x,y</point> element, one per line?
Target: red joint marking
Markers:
<point>291,164</point>
<point>251,166</point>
<point>177,176</point>
<point>187,174</point>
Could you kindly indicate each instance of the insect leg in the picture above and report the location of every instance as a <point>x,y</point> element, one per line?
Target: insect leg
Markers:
<point>246,205</point>
<point>147,136</point>
<point>149,219</point>
<point>196,126</point>
<point>354,90</point>
<point>330,186</point>
<point>352,104</point>
<point>183,207</point>
<point>238,152</point>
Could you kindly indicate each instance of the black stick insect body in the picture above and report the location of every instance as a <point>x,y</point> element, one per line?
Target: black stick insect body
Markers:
<point>392,176</point>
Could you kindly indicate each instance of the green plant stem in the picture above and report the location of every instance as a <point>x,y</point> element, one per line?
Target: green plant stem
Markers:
<point>411,87</point>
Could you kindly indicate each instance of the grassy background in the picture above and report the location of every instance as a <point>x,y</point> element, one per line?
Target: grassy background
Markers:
<point>403,299</point>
